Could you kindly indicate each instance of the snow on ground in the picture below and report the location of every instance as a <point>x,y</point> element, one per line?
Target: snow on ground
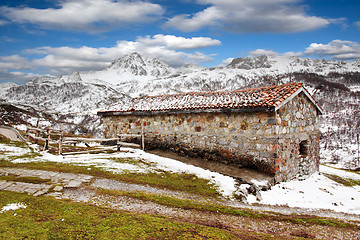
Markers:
<point>226,184</point>
<point>339,172</point>
<point>12,206</point>
<point>6,150</point>
<point>316,192</point>
<point>104,161</point>
<point>344,157</point>
<point>155,163</point>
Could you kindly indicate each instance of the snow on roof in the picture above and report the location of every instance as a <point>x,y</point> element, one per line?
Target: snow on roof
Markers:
<point>263,98</point>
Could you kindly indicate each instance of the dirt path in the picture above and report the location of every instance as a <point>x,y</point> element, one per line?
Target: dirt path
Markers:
<point>11,133</point>
<point>273,226</point>
<point>85,188</point>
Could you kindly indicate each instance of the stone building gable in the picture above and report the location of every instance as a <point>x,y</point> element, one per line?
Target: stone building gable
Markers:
<point>299,137</point>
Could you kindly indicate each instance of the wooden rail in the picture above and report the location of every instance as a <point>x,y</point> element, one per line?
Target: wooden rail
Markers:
<point>47,133</point>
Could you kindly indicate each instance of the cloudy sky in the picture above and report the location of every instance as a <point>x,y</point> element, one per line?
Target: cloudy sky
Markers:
<point>39,37</point>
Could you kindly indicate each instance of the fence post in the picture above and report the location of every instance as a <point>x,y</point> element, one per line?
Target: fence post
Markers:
<point>118,143</point>
<point>142,137</point>
<point>358,143</point>
<point>60,142</point>
<point>47,140</point>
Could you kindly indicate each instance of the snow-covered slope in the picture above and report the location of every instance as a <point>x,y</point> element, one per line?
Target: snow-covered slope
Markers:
<point>131,68</point>
<point>65,94</point>
<point>242,73</point>
<point>135,75</point>
<point>336,85</point>
<point>4,87</point>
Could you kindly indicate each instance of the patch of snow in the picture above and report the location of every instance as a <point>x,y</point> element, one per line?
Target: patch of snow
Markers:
<point>5,86</point>
<point>226,184</point>
<point>339,172</point>
<point>21,127</point>
<point>12,150</point>
<point>343,158</point>
<point>12,206</point>
<point>354,88</point>
<point>104,161</point>
<point>316,192</point>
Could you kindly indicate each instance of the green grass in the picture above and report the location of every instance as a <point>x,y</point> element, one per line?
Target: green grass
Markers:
<point>184,204</point>
<point>47,218</point>
<point>167,180</point>
<point>344,181</point>
<point>29,155</point>
<point>216,208</point>
<point>5,140</point>
<point>162,179</point>
<point>137,162</point>
<point>34,180</point>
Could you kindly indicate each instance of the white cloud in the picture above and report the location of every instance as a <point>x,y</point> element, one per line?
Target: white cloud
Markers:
<point>174,42</point>
<point>280,16</point>
<point>63,60</point>
<point>17,77</point>
<point>87,15</point>
<point>337,48</point>
<point>357,24</point>
<point>292,54</point>
<point>260,52</point>
<point>3,22</point>
<point>225,62</point>
<point>14,62</point>
<point>209,17</point>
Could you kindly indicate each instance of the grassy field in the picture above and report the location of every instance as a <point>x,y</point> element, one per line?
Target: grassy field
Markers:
<point>173,181</point>
<point>47,218</point>
<point>162,179</point>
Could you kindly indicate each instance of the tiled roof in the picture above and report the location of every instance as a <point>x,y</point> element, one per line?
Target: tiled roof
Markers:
<point>260,98</point>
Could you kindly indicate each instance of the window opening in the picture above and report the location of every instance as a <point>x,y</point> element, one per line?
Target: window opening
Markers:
<point>303,148</point>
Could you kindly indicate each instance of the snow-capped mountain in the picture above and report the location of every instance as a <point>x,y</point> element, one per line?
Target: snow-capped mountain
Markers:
<point>64,94</point>
<point>131,68</point>
<point>134,75</point>
<point>336,85</point>
<point>4,87</point>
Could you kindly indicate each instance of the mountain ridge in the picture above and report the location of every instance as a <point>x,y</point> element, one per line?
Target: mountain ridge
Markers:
<point>133,75</point>
<point>336,85</point>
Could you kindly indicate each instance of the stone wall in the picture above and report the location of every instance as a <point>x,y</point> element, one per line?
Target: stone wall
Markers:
<point>267,141</point>
<point>298,149</point>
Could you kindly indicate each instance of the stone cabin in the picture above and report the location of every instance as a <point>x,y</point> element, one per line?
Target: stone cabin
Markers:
<point>272,129</point>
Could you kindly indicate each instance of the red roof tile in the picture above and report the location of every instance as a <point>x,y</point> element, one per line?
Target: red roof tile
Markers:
<point>264,97</point>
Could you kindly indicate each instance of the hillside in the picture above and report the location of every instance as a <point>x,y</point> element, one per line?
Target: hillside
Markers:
<point>335,85</point>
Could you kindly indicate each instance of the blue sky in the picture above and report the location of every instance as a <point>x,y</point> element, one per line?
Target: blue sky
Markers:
<point>61,36</point>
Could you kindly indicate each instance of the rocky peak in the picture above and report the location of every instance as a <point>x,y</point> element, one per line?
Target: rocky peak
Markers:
<point>248,63</point>
<point>73,77</point>
<point>137,65</point>
<point>356,63</point>
<point>132,63</point>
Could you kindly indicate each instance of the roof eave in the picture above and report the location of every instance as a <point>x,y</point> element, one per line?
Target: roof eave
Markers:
<point>181,111</point>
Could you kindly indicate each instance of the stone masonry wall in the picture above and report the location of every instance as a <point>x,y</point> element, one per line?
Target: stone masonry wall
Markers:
<point>268,142</point>
<point>245,139</point>
<point>297,128</point>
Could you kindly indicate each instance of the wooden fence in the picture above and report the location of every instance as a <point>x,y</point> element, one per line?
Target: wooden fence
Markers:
<point>51,136</point>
